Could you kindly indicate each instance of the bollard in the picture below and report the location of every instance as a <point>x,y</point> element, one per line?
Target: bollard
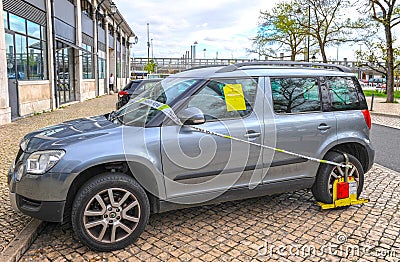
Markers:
<point>372,102</point>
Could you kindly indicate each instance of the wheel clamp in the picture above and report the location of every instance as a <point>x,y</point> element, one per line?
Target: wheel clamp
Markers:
<point>344,191</point>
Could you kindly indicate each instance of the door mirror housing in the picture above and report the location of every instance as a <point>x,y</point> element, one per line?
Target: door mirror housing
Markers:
<point>192,116</point>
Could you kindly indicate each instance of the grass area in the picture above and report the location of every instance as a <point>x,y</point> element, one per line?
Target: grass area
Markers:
<point>380,94</point>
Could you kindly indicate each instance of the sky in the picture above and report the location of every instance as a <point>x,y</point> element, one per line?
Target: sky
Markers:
<point>218,26</point>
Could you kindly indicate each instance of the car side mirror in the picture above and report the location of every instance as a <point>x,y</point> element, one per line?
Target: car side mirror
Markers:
<point>192,116</point>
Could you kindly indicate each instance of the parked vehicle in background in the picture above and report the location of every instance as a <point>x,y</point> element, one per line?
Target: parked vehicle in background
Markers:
<point>137,86</point>
<point>153,76</point>
<point>107,174</point>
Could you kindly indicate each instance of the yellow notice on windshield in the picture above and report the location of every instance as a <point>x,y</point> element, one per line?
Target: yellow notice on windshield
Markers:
<point>234,97</point>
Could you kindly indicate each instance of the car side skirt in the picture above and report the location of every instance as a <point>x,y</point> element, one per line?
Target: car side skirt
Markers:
<point>243,193</point>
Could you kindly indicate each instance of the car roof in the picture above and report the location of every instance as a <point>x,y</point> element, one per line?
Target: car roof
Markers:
<point>267,69</point>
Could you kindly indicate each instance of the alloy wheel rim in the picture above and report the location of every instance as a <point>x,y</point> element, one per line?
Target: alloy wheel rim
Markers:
<point>111,215</point>
<point>338,172</point>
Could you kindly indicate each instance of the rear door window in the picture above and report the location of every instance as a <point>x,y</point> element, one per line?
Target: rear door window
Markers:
<point>344,93</point>
<point>295,95</point>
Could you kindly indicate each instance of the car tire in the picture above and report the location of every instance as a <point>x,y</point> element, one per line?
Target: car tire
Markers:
<point>109,212</point>
<point>323,185</point>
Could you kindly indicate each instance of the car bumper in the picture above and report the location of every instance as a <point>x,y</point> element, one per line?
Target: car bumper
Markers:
<point>43,210</point>
<point>23,199</point>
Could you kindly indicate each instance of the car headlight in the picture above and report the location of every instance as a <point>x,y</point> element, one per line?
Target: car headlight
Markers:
<point>40,162</point>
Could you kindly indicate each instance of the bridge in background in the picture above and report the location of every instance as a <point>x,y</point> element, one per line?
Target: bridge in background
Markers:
<point>175,65</point>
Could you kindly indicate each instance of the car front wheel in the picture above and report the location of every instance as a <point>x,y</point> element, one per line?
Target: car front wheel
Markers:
<point>110,211</point>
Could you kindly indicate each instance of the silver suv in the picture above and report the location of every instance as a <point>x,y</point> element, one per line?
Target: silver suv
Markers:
<point>106,174</point>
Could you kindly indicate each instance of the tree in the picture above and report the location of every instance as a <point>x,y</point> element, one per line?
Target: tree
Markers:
<point>329,23</point>
<point>279,31</point>
<point>387,14</point>
<point>151,66</point>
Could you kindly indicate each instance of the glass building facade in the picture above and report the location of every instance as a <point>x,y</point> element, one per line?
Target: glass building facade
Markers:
<point>26,47</point>
<point>60,51</point>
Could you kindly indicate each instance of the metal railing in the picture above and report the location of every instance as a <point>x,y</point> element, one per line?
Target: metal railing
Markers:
<point>174,65</point>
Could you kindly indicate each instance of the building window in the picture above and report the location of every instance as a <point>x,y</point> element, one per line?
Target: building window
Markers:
<point>123,64</point>
<point>111,30</point>
<point>87,8</point>
<point>30,47</point>
<point>5,16</point>
<point>87,62</point>
<point>102,68</point>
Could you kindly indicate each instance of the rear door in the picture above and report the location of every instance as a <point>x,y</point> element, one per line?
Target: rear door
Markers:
<point>300,125</point>
<point>348,101</point>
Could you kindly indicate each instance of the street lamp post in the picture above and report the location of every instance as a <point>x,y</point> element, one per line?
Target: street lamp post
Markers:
<point>308,35</point>
<point>300,12</point>
<point>148,49</point>
<point>132,42</point>
<point>204,50</point>
<point>152,49</point>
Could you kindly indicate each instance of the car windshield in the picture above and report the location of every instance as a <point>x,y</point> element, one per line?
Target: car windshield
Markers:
<point>166,92</point>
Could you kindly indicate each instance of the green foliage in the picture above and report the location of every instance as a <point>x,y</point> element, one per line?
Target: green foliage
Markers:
<point>288,24</point>
<point>279,27</point>
<point>151,66</point>
<point>383,55</point>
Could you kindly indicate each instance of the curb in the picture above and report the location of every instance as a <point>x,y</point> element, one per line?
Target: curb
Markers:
<point>382,114</point>
<point>386,169</point>
<point>16,248</point>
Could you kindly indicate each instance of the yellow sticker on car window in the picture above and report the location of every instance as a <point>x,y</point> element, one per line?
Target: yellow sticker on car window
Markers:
<point>234,97</point>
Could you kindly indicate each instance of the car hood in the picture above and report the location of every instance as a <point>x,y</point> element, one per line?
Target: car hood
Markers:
<point>67,133</point>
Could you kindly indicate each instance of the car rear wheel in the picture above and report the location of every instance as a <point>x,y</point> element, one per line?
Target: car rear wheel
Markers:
<point>327,174</point>
<point>110,212</point>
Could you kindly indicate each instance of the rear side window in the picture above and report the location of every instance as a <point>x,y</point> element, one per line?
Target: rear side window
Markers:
<point>295,95</point>
<point>344,93</point>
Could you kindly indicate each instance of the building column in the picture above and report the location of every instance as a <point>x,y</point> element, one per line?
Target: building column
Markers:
<point>50,55</point>
<point>5,110</point>
<point>114,59</point>
<point>107,57</point>
<point>78,54</point>
<point>95,51</point>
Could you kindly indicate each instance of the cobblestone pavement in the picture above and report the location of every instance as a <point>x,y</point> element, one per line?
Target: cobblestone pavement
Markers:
<point>12,223</point>
<point>265,228</point>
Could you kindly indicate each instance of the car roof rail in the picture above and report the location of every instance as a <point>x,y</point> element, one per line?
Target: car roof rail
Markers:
<point>203,66</point>
<point>234,67</point>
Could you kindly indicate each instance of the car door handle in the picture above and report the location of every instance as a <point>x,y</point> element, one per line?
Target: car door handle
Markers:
<point>252,134</point>
<point>323,127</point>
